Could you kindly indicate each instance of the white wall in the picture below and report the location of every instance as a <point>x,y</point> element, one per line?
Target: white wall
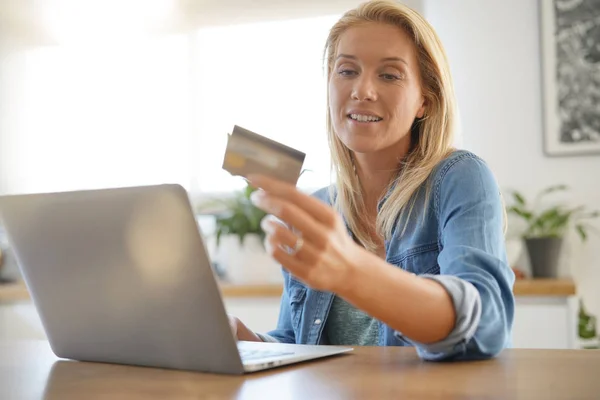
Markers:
<point>494,51</point>
<point>26,18</point>
<point>2,128</point>
<point>4,113</point>
<point>220,11</point>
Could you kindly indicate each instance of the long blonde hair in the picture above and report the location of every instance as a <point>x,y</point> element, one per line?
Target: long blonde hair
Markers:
<point>432,135</point>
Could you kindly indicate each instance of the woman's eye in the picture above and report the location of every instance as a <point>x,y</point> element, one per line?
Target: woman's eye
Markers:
<point>347,72</point>
<point>390,77</point>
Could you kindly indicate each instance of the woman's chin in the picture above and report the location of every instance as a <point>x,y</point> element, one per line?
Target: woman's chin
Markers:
<point>360,144</point>
<point>360,139</point>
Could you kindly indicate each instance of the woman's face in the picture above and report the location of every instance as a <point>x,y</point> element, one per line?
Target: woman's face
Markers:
<point>375,88</point>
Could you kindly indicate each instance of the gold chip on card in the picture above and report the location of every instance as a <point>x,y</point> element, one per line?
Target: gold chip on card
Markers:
<point>234,160</point>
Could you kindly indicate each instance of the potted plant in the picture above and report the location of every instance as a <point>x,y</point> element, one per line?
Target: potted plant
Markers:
<point>586,329</point>
<point>239,239</point>
<point>546,228</point>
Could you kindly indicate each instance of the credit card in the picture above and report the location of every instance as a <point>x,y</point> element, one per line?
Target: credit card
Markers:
<point>250,153</point>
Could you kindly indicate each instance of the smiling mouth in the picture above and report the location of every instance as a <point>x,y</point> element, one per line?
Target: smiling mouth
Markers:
<point>364,118</point>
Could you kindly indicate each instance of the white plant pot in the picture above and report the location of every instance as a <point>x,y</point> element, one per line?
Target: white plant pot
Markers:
<point>247,263</point>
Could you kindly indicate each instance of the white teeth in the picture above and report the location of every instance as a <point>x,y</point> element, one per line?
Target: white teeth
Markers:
<point>364,118</point>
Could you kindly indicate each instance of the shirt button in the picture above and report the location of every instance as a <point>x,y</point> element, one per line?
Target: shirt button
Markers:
<point>318,322</point>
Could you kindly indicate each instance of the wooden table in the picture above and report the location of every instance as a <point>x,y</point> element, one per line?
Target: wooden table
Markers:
<point>29,370</point>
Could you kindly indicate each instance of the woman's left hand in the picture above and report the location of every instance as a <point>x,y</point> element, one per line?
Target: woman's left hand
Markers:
<point>322,252</point>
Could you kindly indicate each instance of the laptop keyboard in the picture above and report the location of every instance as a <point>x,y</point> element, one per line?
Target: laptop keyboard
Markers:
<point>251,354</point>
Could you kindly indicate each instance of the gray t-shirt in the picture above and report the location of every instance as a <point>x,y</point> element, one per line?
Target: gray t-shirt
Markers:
<point>348,326</point>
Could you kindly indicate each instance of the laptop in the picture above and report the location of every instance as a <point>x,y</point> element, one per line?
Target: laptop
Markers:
<point>121,275</point>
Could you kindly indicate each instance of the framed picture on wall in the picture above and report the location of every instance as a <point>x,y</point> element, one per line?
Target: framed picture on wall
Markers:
<point>570,34</point>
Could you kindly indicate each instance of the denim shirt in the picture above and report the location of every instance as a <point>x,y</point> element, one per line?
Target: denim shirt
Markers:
<point>456,233</point>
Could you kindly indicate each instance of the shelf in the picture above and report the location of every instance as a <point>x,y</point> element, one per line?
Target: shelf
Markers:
<point>545,287</point>
<point>251,290</point>
<point>14,292</point>
<point>523,287</point>
<point>11,292</point>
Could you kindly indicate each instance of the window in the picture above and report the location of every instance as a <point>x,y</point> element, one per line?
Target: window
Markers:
<point>92,116</point>
<point>158,109</point>
<point>266,77</point>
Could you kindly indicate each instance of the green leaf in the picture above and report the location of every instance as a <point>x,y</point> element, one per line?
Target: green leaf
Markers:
<point>521,212</point>
<point>586,329</point>
<point>241,217</point>
<point>219,233</point>
<point>586,325</point>
<point>552,189</point>
<point>248,191</point>
<point>551,222</point>
<point>549,190</point>
<point>557,222</point>
<point>582,233</point>
<point>519,198</point>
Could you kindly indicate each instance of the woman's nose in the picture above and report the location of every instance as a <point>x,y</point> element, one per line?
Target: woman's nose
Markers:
<point>364,89</point>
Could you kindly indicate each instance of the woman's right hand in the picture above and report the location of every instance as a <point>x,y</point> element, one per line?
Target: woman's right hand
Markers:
<point>241,331</point>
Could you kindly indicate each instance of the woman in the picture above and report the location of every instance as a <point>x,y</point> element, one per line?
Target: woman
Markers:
<point>407,247</point>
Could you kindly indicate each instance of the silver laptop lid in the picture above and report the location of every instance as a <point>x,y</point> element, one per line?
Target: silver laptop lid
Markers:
<point>122,275</point>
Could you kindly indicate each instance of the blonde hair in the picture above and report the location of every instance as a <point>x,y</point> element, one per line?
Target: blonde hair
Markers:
<point>432,135</point>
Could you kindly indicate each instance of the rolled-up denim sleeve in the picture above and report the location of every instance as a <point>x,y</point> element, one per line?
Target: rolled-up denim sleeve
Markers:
<point>473,263</point>
<point>284,332</point>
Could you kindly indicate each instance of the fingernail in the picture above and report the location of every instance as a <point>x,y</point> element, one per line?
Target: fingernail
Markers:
<point>257,197</point>
<point>266,226</point>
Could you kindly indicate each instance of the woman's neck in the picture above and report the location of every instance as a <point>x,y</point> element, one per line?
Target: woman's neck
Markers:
<point>374,181</point>
<point>376,170</point>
